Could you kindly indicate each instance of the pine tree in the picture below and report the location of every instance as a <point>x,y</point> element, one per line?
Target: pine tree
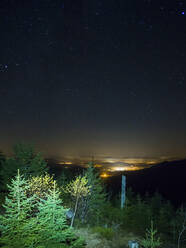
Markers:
<point>156,203</point>
<point>30,221</point>
<point>37,166</point>
<point>151,240</point>
<point>2,158</point>
<point>18,208</point>
<point>9,169</point>
<point>165,219</point>
<point>26,160</point>
<point>53,228</point>
<point>30,162</point>
<point>93,204</point>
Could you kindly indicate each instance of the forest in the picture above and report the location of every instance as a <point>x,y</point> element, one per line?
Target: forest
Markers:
<point>40,209</point>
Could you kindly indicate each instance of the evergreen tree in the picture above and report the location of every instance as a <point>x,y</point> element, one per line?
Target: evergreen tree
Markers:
<point>53,228</point>
<point>156,203</point>
<point>151,240</point>
<point>30,162</point>
<point>2,158</point>
<point>65,177</point>
<point>93,204</point>
<point>165,219</point>
<point>137,215</point>
<point>9,169</point>
<point>24,158</point>
<point>22,226</point>
<point>52,217</point>
<point>18,208</point>
<point>180,226</point>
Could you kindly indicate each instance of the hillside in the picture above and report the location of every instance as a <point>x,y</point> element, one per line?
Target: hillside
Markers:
<point>168,178</point>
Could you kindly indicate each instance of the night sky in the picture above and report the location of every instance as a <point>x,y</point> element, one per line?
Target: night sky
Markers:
<point>94,77</point>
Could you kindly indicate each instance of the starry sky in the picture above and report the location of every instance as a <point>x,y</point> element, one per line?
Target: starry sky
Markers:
<point>102,77</point>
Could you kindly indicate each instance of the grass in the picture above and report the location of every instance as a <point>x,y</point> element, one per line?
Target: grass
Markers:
<point>94,237</point>
<point>106,233</point>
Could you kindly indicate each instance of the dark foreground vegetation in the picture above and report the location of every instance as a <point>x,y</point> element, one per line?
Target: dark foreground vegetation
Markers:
<point>42,210</point>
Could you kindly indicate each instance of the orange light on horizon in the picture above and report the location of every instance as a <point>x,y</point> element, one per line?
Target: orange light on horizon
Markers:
<point>68,162</point>
<point>151,162</point>
<point>126,168</point>
<point>104,175</point>
<point>65,163</point>
<point>98,165</point>
<point>118,168</point>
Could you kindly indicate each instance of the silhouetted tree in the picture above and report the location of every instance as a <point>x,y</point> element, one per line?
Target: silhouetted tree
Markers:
<point>92,205</point>
<point>2,159</point>
<point>26,160</point>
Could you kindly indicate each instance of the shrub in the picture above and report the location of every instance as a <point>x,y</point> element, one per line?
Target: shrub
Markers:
<point>151,241</point>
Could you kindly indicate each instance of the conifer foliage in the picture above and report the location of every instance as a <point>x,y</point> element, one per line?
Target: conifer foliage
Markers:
<point>17,211</point>
<point>26,159</point>
<point>92,206</point>
<point>52,217</point>
<point>31,222</point>
<point>151,241</point>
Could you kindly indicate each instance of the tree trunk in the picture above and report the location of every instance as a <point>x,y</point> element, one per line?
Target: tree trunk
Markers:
<point>75,209</point>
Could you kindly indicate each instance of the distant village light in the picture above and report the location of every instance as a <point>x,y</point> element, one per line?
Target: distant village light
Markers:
<point>104,175</point>
<point>119,168</point>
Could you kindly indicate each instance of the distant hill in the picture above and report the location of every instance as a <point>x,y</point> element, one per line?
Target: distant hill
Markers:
<point>56,168</point>
<point>168,178</point>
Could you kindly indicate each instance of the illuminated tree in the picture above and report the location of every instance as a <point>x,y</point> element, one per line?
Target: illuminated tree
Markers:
<point>40,185</point>
<point>22,226</point>
<point>78,188</point>
<point>18,207</point>
<point>52,228</point>
<point>52,218</point>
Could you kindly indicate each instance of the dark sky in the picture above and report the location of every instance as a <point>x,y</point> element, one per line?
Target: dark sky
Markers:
<point>100,77</point>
